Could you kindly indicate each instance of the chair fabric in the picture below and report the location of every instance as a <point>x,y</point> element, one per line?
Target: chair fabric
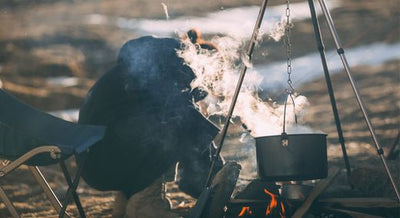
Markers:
<point>24,129</point>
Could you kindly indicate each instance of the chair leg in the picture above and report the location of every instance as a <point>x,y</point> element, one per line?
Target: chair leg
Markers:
<point>46,188</point>
<point>8,203</point>
<point>71,192</point>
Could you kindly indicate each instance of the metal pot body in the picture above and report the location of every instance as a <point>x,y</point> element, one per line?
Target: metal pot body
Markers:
<point>303,158</point>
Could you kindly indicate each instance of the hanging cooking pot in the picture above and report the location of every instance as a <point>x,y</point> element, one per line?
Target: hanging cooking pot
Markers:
<point>292,157</point>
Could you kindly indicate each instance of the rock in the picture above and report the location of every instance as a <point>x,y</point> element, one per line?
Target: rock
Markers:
<point>149,203</point>
<point>119,205</point>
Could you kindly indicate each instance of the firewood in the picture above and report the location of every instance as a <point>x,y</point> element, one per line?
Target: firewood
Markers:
<point>222,188</point>
<point>360,202</point>
<point>353,214</point>
<point>318,189</point>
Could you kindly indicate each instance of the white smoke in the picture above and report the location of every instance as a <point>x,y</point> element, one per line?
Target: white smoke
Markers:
<point>165,8</point>
<point>278,30</point>
<point>221,22</point>
<point>218,74</point>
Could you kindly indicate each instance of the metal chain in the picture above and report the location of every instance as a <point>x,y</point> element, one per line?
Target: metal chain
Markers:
<point>288,48</point>
<point>290,90</point>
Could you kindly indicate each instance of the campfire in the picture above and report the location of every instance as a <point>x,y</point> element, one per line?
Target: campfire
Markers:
<point>282,156</point>
<point>260,199</point>
<point>275,207</point>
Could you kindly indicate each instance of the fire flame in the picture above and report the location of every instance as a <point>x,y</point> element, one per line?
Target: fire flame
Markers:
<point>272,204</point>
<point>245,211</point>
<point>283,214</point>
<point>270,208</point>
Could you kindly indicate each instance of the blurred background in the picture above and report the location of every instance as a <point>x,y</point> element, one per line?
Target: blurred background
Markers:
<point>52,52</point>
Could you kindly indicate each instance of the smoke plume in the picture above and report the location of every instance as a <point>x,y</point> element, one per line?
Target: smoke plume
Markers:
<point>218,73</point>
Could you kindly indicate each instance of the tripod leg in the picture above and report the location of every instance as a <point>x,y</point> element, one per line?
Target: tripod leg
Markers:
<point>197,210</point>
<point>321,50</point>
<point>355,90</point>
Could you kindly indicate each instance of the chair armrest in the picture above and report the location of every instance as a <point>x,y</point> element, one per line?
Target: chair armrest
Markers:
<point>54,151</point>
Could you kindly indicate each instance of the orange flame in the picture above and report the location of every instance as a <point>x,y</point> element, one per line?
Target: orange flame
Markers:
<point>273,203</point>
<point>245,210</point>
<point>282,210</point>
<point>270,208</point>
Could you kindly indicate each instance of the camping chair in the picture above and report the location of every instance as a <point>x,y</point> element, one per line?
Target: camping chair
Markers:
<point>35,138</point>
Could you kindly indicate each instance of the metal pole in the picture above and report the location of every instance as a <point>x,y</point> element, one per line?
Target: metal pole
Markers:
<point>340,51</point>
<point>203,198</point>
<point>237,90</point>
<point>321,50</point>
<point>71,191</point>
<point>69,182</point>
<point>10,206</point>
<point>46,188</point>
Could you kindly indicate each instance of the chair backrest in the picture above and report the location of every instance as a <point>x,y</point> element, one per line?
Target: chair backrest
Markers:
<point>23,127</point>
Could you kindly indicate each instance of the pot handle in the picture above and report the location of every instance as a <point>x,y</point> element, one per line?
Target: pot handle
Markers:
<point>284,135</point>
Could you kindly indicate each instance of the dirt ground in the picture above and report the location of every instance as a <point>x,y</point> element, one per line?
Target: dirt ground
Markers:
<point>43,38</point>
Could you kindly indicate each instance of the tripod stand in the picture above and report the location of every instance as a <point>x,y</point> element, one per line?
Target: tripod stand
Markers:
<point>197,210</point>
<point>341,53</point>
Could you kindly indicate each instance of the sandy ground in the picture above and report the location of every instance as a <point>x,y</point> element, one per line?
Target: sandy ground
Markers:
<point>44,38</point>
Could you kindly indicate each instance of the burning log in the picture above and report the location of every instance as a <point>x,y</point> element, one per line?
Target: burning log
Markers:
<point>259,199</point>
<point>266,199</point>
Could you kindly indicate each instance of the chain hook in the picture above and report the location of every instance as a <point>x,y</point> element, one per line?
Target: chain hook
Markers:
<point>290,89</point>
<point>288,48</point>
